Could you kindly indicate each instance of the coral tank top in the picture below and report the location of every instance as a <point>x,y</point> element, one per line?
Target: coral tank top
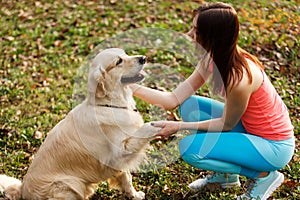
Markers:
<point>266,114</point>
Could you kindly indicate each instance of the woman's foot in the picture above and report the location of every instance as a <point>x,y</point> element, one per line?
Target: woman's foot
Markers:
<point>262,188</point>
<point>224,180</point>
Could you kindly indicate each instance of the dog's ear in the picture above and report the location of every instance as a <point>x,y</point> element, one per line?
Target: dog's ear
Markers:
<point>96,82</point>
<point>100,90</point>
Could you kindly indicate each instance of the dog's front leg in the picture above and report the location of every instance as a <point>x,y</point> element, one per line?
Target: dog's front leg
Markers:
<point>123,181</point>
<point>140,138</point>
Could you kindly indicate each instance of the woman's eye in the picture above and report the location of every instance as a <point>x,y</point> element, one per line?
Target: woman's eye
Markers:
<point>119,61</point>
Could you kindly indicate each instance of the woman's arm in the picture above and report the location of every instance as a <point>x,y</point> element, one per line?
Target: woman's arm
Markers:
<point>235,106</point>
<point>156,97</point>
<point>170,100</point>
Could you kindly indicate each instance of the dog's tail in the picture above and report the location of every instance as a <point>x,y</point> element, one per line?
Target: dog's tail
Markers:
<point>10,187</point>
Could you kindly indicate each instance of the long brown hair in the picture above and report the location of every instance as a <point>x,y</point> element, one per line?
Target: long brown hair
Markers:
<point>217,31</point>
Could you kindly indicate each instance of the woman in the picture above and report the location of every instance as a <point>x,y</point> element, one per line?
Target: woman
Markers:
<point>251,133</point>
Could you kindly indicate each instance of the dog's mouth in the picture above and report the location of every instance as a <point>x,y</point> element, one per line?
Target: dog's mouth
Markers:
<point>133,79</point>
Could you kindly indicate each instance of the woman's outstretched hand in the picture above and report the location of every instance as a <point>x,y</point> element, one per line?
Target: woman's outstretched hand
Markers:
<point>168,127</point>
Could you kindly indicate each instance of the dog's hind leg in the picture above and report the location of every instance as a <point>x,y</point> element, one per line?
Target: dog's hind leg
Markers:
<point>90,190</point>
<point>67,188</point>
<point>123,180</point>
<point>66,195</point>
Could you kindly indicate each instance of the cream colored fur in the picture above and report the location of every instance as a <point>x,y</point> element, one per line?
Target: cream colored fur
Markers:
<point>103,138</point>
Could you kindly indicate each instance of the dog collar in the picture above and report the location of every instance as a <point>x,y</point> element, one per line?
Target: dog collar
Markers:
<point>113,106</point>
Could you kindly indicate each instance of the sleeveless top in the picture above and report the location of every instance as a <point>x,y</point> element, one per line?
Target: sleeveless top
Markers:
<point>266,114</point>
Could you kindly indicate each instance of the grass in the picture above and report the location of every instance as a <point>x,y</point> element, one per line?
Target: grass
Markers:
<point>44,44</point>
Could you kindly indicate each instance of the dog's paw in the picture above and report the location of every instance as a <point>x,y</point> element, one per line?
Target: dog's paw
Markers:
<point>147,130</point>
<point>139,195</point>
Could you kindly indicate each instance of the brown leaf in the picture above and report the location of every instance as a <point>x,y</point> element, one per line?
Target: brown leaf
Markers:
<point>172,116</point>
<point>291,183</point>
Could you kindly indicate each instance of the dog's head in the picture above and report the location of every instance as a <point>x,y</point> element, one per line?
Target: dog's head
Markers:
<point>111,70</point>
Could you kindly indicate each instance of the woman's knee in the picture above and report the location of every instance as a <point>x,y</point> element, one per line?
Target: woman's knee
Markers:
<point>184,145</point>
<point>187,107</point>
<point>190,144</point>
<point>187,150</point>
<point>191,159</point>
<point>198,108</point>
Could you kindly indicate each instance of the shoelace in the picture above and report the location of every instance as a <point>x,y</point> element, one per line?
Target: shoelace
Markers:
<point>250,185</point>
<point>210,176</point>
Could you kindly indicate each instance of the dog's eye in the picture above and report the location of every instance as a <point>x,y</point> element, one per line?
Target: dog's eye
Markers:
<point>119,61</point>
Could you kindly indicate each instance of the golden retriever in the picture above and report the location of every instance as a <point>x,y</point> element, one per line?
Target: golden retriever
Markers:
<point>103,138</point>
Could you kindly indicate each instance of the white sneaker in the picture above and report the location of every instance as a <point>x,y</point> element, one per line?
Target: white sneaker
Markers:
<point>225,180</point>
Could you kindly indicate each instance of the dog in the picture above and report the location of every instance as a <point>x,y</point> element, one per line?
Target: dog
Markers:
<point>103,138</point>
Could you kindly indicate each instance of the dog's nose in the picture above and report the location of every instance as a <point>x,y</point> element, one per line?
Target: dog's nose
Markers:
<point>142,60</point>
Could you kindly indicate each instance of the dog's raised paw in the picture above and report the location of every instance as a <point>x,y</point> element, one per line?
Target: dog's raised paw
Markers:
<point>148,130</point>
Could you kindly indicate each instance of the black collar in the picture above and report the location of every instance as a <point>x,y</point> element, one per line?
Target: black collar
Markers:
<point>113,106</point>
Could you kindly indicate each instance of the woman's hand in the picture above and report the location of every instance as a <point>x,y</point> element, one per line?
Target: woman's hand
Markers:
<point>168,127</point>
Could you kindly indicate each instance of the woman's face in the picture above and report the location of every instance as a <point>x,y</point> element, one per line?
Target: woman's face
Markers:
<point>192,32</point>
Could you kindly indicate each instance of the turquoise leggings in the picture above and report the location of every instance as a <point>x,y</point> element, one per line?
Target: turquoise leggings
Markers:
<point>236,151</point>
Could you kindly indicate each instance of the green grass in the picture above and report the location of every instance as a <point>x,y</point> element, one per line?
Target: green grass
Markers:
<point>45,43</point>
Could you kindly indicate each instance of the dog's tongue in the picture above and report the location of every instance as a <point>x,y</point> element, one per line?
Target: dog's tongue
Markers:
<point>143,73</point>
<point>139,77</point>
